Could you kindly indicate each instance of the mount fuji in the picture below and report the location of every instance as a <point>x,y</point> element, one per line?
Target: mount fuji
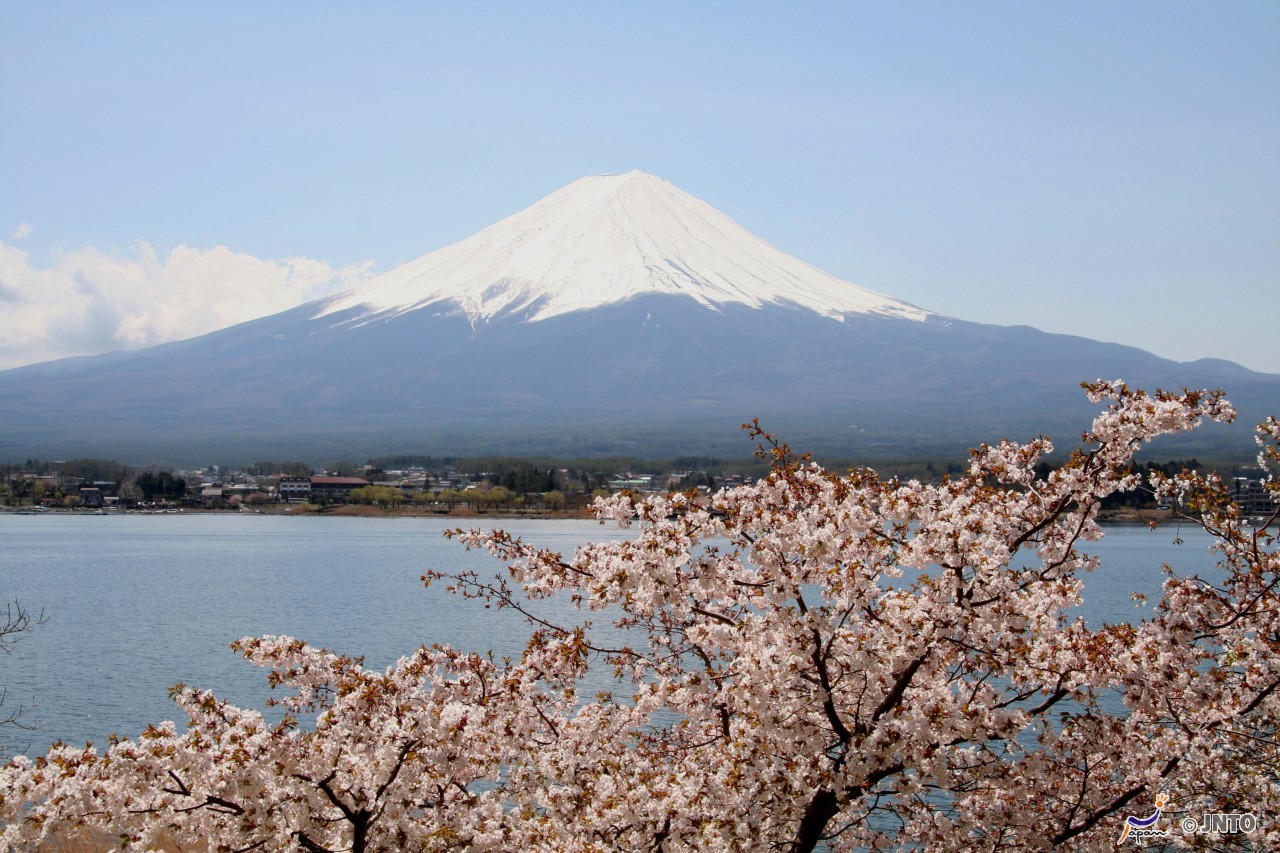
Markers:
<point>617,315</point>
<point>608,239</point>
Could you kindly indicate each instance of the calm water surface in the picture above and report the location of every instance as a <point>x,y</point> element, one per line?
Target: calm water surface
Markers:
<point>137,603</point>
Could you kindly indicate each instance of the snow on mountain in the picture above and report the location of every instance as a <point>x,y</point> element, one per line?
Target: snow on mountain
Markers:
<point>606,239</point>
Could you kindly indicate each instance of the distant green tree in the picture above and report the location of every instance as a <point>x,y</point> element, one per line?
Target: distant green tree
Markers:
<point>386,496</point>
<point>19,489</point>
<point>694,479</point>
<point>163,485</point>
<point>105,470</point>
<point>146,483</point>
<point>412,461</point>
<point>287,469</point>
<point>497,496</point>
<point>696,463</point>
<point>463,497</point>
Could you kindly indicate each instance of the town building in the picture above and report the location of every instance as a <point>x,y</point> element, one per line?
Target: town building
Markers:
<point>334,489</point>
<point>1253,497</point>
<point>294,490</point>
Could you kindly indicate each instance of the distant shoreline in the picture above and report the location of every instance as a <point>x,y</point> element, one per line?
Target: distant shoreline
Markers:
<point>358,511</point>
<point>337,510</point>
<point>1118,516</point>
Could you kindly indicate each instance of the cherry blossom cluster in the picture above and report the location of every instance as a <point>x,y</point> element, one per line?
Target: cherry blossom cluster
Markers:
<point>814,659</point>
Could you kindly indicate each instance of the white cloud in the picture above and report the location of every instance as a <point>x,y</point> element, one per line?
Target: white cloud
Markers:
<point>23,231</point>
<point>90,301</point>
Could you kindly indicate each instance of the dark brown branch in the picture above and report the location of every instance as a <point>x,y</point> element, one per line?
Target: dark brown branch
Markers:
<point>1111,808</point>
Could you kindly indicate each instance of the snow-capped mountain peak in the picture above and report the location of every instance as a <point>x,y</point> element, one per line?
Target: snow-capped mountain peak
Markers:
<point>605,239</point>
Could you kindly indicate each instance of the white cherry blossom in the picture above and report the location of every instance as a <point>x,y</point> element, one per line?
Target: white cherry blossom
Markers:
<point>814,658</point>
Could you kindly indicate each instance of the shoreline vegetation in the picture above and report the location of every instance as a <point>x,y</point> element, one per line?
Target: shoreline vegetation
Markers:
<point>1120,515</point>
<point>493,488</point>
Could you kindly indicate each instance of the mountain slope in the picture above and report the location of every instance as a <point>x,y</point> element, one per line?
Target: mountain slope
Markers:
<point>617,315</point>
<point>606,239</point>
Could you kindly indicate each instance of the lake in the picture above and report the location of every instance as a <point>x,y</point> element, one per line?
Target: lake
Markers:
<point>137,603</point>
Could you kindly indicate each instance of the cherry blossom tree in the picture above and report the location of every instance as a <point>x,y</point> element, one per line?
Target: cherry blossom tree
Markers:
<point>16,622</point>
<point>816,659</point>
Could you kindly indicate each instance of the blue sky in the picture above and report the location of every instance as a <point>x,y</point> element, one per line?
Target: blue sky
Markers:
<point>1101,169</point>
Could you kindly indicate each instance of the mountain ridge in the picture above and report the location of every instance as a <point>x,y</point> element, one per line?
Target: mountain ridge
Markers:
<point>834,368</point>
